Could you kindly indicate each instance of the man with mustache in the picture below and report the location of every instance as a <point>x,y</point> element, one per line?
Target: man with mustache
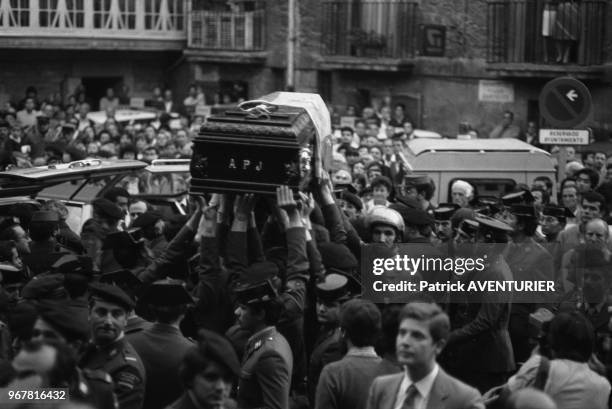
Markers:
<point>109,351</point>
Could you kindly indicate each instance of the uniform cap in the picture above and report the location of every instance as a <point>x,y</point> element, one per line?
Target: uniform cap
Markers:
<point>445,211</point>
<point>520,197</point>
<point>336,255</point>
<point>384,215</point>
<point>72,264</point>
<point>166,293</point>
<point>147,219</point>
<point>45,216</point>
<point>523,210</point>
<point>219,349</point>
<point>107,209</point>
<point>111,294</point>
<point>487,223</point>
<point>251,293</point>
<point>560,212</point>
<point>333,287</point>
<point>468,227</point>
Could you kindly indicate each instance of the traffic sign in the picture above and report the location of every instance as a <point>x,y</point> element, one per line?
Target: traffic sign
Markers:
<point>564,137</point>
<point>565,102</point>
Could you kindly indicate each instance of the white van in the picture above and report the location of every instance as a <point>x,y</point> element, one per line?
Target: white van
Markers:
<point>493,166</point>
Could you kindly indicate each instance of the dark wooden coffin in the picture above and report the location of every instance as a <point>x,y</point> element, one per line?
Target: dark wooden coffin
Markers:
<point>254,151</point>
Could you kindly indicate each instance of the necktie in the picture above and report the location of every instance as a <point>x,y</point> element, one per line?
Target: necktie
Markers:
<point>412,393</point>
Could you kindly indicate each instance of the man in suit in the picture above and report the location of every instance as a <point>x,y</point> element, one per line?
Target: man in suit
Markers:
<point>162,346</point>
<point>423,331</point>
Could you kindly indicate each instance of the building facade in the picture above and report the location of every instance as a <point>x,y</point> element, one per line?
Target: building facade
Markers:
<point>448,61</point>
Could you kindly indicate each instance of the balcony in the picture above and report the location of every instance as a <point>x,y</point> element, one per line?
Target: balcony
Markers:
<point>226,36</point>
<point>97,24</point>
<point>374,35</point>
<point>527,38</point>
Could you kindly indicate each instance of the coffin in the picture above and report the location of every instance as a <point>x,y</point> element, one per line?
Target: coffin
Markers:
<point>254,148</point>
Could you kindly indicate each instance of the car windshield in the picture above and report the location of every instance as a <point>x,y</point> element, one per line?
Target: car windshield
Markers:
<point>144,182</point>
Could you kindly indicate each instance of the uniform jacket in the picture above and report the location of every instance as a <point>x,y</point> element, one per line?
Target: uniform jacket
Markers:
<point>125,367</point>
<point>446,393</point>
<point>483,342</point>
<point>265,375</point>
<point>161,348</point>
<point>327,350</point>
<point>95,388</point>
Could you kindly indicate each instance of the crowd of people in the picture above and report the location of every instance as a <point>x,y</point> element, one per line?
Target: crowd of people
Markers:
<point>255,301</point>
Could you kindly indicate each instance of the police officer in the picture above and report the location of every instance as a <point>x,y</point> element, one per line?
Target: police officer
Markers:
<point>528,261</point>
<point>61,322</point>
<point>162,346</point>
<point>442,221</point>
<point>109,350</point>
<point>479,349</point>
<point>553,221</point>
<point>332,292</point>
<point>44,248</point>
<point>267,362</point>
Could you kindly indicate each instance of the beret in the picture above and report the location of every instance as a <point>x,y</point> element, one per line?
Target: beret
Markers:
<point>71,320</point>
<point>166,293</point>
<point>112,294</point>
<point>416,217</point>
<point>417,180</point>
<point>47,286</point>
<point>336,255</point>
<point>352,199</point>
<point>147,219</point>
<point>219,349</point>
<point>107,208</point>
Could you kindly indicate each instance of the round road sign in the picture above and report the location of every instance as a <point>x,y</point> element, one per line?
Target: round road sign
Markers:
<point>565,102</point>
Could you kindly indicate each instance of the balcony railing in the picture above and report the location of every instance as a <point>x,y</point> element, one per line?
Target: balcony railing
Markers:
<point>545,32</point>
<point>371,29</point>
<point>116,19</point>
<point>226,30</point>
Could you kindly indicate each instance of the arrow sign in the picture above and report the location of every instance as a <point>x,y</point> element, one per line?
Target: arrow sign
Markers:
<point>565,103</point>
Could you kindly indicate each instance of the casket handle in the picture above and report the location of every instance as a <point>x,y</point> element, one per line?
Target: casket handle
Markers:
<point>260,108</point>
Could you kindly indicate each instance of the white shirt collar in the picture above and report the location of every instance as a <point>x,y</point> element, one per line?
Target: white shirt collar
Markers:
<point>368,351</point>
<point>423,386</point>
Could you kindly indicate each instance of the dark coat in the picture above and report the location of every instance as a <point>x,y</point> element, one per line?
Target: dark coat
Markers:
<point>161,348</point>
<point>265,375</point>
<point>125,367</point>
